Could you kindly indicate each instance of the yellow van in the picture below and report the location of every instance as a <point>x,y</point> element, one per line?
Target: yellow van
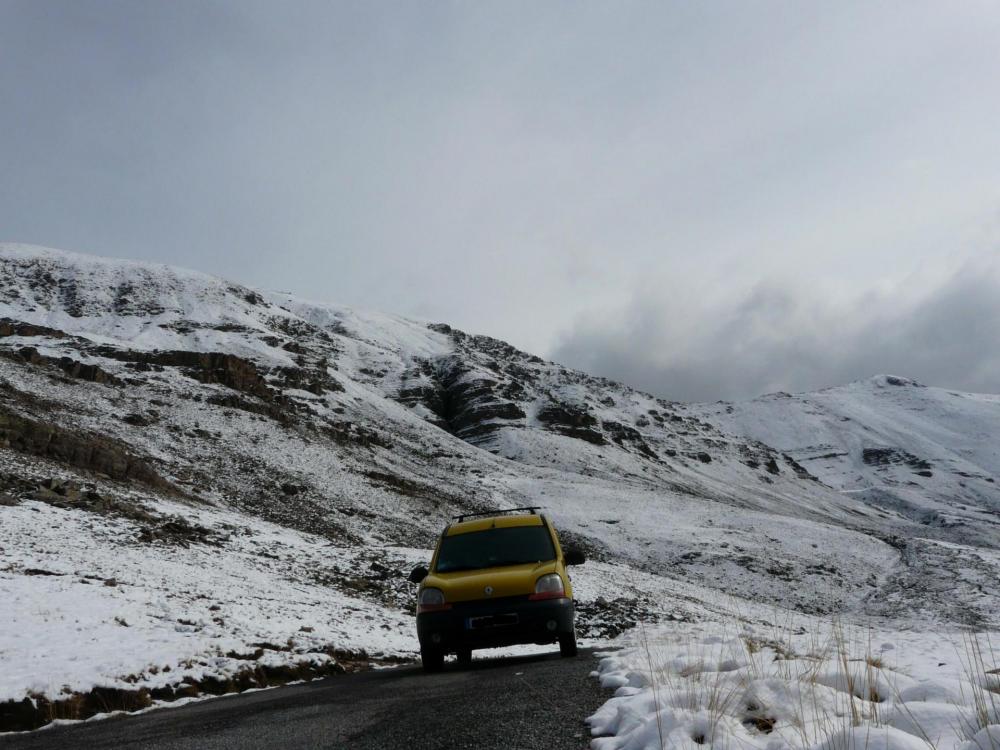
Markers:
<point>496,579</point>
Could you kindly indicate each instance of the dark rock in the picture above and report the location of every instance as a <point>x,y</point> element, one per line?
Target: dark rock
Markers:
<point>564,415</point>
<point>70,366</point>
<point>316,380</point>
<point>466,403</point>
<point>892,456</point>
<point>207,367</point>
<point>571,421</point>
<point>79,449</point>
<point>626,436</point>
<point>902,382</point>
<point>179,531</point>
<point>9,327</point>
<point>800,471</point>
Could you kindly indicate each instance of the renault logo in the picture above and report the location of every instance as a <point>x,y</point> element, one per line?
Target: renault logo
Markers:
<point>488,591</point>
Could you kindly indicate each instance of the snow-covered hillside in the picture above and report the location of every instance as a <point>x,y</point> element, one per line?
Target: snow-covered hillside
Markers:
<point>929,454</point>
<point>155,420</point>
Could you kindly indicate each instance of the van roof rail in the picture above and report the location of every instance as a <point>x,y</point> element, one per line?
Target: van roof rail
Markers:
<point>532,508</point>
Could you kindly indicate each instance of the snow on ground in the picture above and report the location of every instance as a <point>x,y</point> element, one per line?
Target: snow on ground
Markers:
<point>793,681</point>
<point>90,604</point>
<point>87,604</point>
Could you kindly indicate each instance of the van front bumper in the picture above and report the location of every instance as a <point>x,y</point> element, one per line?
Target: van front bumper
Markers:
<point>491,623</point>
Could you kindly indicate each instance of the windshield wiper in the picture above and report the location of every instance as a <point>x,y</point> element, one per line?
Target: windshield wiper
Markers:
<point>504,563</point>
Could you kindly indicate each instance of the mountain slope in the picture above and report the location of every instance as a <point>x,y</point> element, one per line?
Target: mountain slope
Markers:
<point>146,411</point>
<point>928,454</point>
<point>378,422</point>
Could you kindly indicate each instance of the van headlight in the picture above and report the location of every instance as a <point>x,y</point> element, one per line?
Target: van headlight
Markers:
<point>431,600</point>
<point>549,586</point>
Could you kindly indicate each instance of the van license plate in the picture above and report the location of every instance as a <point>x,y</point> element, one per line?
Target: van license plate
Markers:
<point>491,621</point>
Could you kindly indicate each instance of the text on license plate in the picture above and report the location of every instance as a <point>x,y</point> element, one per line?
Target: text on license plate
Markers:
<point>490,621</point>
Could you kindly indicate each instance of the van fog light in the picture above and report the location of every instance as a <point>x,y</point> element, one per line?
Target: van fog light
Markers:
<point>436,638</point>
<point>551,625</point>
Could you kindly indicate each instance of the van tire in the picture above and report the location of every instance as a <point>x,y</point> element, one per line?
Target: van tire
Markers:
<point>432,659</point>
<point>567,644</point>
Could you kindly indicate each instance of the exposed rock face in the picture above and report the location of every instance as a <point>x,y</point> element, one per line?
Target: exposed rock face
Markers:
<point>485,386</point>
<point>72,367</point>
<point>312,380</point>
<point>207,367</point>
<point>466,402</point>
<point>882,456</point>
<point>10,327</point>
<point>80,450</point>
<point>471,405</point>
<point>628,437</point>
<point>571,421</point>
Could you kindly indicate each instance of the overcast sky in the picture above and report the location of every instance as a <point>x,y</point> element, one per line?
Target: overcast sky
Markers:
<point>704,199</point>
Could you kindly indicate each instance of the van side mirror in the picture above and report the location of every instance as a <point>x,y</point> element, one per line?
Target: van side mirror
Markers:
<point>418,574</point>
<point>573,556</point>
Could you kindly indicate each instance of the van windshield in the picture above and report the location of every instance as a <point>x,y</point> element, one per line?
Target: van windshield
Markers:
<point>490,548</point>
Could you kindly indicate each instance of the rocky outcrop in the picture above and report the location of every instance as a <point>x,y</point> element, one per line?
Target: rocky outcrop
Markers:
<point>472,407</point>
<point>886,456</point>
<point>9,327</point>
<point>207,367</point>
<point>80,450</point>
<point>572,422</point>
<point>313,380</point>
<point>628,437</point>
<point>72,367</point>
<point>468,403</point>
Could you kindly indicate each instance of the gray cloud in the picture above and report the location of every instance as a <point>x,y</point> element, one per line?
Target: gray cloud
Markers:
<point>503,167</point>
<point>773,337</point>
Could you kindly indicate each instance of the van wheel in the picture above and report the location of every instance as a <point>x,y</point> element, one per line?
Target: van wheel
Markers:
<point>432,659</point>
<point>567,644</point>
<point>464,655</point>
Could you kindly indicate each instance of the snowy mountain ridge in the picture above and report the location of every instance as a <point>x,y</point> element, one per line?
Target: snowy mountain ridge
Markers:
<point>262,470</point>
<point>928,453</point>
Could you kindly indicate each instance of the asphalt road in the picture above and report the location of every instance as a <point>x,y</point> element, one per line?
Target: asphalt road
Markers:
<point>514,703</point>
